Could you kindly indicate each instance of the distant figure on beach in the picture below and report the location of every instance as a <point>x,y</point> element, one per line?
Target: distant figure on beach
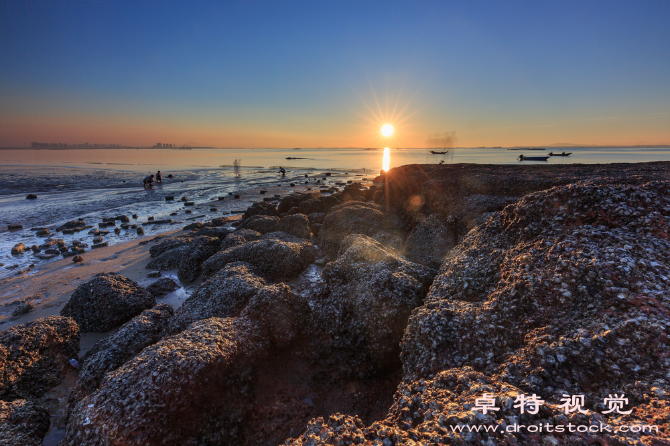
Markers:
<point>282,171</point>
<point>148,180</point>
<point>159,177</point>
<point>236,167</point>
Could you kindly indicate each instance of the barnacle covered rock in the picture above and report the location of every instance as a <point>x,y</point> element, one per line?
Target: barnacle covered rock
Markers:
<point>106,302</point>
<point>567,290</point>
<point>271,258</point>
<point>34,356</point>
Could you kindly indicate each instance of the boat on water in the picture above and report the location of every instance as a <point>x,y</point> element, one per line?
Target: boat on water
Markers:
<point>560,154</point>
<point>434,152</point>
<point>533,158</point>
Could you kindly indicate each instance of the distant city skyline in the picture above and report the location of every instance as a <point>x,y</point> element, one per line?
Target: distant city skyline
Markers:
<point>330,74</point>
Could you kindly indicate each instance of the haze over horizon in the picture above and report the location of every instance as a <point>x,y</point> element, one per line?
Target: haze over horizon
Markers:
<point>330,74</point>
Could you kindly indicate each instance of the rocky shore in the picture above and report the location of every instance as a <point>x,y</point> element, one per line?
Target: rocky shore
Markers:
<point>381,315</point>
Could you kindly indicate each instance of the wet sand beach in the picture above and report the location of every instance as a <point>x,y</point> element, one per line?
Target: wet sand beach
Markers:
<point>94,196</point>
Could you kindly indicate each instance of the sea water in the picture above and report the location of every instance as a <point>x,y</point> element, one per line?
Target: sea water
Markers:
<point>150,160</point>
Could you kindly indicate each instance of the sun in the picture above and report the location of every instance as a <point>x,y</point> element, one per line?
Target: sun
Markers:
<point>387,130</point>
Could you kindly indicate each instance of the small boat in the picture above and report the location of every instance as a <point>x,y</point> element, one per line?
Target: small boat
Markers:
<point>533,158</point>
<point>438,153</point>
<point>560,154</point>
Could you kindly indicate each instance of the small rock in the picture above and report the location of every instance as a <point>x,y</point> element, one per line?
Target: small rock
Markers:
<point>169,198</point>
<point>23,308</point>
<point>140,231</point>
<point>100,245</point>
<point>154,274</point>
<point>150,218</point>
<point>184,198</point>
<point>31,197</point>
<point>77,259</point>
<point>14,227</point>
<point>162,286</point>
<point>135,216</point>
<point>19,248</point>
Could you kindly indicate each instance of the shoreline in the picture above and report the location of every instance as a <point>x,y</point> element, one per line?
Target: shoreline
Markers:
<point>207,199</point>
<point>56,280</point>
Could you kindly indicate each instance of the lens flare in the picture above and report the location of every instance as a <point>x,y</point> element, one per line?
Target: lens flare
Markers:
<point>387,130</point>
<point>387,159</point>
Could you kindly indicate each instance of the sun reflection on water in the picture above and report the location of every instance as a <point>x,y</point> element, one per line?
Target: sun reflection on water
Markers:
<point>387,159</point>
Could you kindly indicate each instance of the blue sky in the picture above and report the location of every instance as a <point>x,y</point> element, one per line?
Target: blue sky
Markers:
<point>322,73</point>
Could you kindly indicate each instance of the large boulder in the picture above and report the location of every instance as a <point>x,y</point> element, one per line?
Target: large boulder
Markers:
<point>328,202</point>
<point>296,224</point>
<point>106,302</point>
<point>430,240</point>
<point>224,294</point>
<point>211,231</point>
<point>310,206</point>
<point>272,259</point>
<point>170,243</point>
<point>260,223</point>
<point>195,387</point>
<point>112,352</point>
<point>565,290</point>
<point>279,313</point>
<point>260,208</point>
<point>441,410</point>
<point>35,356</point>
<point>170,259</point>
<point>293,200</point>
<point>239,237</point>
<point>186,389</point>
<point>199,250</point>
<point>370,291</point>
<point>184,253</point>
<point>349,218</point>
<point>22,422</point>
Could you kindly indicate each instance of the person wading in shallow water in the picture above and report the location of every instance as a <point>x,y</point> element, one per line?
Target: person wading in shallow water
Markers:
<point>148,180</point>
<point>159,177</point>
<point>282,171</point>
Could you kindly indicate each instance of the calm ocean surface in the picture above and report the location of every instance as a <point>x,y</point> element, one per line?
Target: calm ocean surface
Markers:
<point>150,160</point>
